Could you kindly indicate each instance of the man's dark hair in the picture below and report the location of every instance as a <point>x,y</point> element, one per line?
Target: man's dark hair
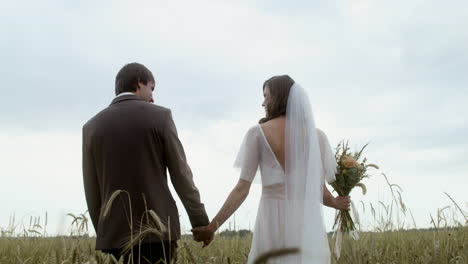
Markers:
<point>128,77</point>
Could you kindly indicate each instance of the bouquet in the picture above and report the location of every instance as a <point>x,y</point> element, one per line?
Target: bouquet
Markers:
<point>351,170</point>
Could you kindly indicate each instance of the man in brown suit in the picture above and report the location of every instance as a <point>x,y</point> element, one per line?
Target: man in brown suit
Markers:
<point>129,146</point>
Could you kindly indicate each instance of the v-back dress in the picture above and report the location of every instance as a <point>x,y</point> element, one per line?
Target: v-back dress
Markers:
<point>255,153</point>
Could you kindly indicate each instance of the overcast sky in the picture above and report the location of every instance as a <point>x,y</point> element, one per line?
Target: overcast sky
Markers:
<point>391,73</point>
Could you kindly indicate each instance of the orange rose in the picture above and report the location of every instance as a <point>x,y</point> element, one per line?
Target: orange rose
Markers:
<point>349,162</point>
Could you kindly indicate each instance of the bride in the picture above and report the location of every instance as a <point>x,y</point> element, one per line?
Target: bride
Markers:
<point>294,159</point>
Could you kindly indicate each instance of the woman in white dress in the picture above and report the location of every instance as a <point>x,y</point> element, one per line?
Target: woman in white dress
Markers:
<point>295,159</point>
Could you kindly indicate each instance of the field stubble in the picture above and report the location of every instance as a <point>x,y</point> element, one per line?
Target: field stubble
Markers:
<point>391,240</point>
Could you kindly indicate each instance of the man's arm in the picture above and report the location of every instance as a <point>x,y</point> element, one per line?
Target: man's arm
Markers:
<point>181,175</point>
<point>91,185</point>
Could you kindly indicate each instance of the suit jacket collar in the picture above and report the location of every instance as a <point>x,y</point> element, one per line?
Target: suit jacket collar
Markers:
<point>124,97</point>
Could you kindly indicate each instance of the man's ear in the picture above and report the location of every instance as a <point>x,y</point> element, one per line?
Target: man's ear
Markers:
<point>139,85</point>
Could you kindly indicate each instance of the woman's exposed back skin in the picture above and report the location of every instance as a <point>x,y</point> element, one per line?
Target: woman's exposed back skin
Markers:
<point>274,130</point>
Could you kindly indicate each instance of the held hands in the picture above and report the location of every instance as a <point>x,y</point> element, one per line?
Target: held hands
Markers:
<point>203,234</point>
<point>342,202</point>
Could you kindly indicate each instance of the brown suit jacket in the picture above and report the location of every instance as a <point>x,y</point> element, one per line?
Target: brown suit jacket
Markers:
<point>129,146</point>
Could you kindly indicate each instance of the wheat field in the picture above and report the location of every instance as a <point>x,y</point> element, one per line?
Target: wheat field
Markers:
<point>391,240</point>
<point>445,245</point>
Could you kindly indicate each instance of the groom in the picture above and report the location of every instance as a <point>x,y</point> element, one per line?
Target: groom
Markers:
<point>129,146</point>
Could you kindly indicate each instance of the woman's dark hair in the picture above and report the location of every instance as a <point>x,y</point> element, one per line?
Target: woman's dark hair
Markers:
<point>128,77</point>
<point>279,92</point>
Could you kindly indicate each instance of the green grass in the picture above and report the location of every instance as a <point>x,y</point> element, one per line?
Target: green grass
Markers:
<point>445,245</point>
<point>391,242</point>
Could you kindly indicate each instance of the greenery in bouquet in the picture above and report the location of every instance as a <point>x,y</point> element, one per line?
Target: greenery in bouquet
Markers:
<point>351,170</point>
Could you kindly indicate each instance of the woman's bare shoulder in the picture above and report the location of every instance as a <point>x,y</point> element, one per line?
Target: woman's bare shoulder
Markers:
<point>273,123</point>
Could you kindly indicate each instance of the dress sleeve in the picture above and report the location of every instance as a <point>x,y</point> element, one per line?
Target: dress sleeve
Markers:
<point>249,155</point>
<point>328,157</point>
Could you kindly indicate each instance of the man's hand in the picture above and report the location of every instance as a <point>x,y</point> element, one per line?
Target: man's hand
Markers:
<point>342,202</point>
<point>203,234</point>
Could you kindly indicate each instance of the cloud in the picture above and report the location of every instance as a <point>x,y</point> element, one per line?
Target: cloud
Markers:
<point>209,55</point>
<point>390,73</point>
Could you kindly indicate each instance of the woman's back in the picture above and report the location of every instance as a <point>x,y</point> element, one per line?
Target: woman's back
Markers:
<point>274,131</point>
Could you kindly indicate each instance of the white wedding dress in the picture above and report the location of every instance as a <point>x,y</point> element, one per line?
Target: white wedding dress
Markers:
<point>285,221</point>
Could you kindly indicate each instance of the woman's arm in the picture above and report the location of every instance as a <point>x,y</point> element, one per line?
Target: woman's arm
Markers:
<point>339,202</point>
<point>234,200</point>
<point>328,199</point>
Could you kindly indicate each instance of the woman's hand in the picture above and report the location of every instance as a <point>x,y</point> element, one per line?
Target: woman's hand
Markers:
<point>342,203</point>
